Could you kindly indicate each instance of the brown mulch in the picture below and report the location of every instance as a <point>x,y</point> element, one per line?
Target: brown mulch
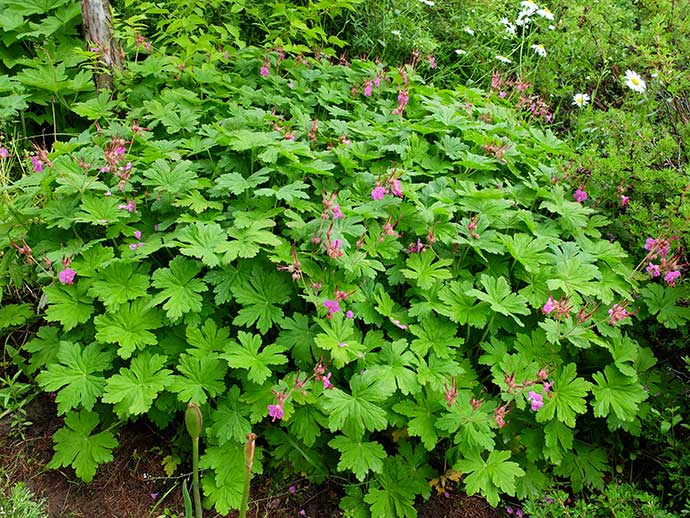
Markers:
<point>125,487</point>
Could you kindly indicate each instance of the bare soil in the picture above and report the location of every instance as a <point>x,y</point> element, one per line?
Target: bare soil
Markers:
<point>135,485</point>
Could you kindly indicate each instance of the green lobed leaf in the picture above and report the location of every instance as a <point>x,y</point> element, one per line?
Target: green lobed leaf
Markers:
<point>567,398</point>
<point>358,456</point>
<point>76,446</point>
<point>77,375</point>
<point>69,305</point>
<point>246,355</point>
<point>179,289</point>
<point>129,326</point>
<point>134,389</point>
<point>491,476</point>
<point>616,393</point>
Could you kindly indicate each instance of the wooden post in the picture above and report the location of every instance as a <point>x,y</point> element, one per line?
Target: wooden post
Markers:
<point>98,31</point>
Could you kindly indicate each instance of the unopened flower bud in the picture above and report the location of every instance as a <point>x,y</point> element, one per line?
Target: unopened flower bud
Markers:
<point>193,420</point>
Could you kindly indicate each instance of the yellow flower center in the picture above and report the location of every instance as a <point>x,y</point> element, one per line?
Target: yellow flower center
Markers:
<point>634,81</point>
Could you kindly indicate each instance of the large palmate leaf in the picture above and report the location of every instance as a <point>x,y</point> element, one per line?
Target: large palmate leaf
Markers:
<point>261,299</point>
<point>662,301</point>
<point>208,338</point>
<point>500,297</point>
<point>354,413</point>
<point>77,446</point>
<point>229,421</point>
<point>120,282</point>
<point>134,389</point>
<point>567,398</point>
<point>199,378</point>
<point>394,367</point>
<point>246,355</point>
<point>422,269</point>
<point>77,375</point>
<point>616,393</point>
<point>129,326</point>
<point>248,240</point>
<point>358,456</point>
<point>179,289</point>
<point>201,240</point>
<point>422,417</point>
<point>491,476</point>
<point>69,305</point>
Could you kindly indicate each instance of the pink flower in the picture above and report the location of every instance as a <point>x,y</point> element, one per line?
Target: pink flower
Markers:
<point>536,400</point>
<point>377,81</point>
<point>368,88</point>
<point>4,153</point>
<point>378,192</point>
<point>617,313</point>
<point>37,163</point>
<point>342,344</point>
<point>649,244</point>
<point>350,314</point>
<point>336,212</point>
<point>397,323</point>
<point>625,200</point>
<point>292,490</point>
<point>396,188</point>
<point>403,99</point>
<point>549,306</point>
<point>137,234</point>
<point>671,277</point>
<point>154,496</point>
<point>333,306</point>
<point>580,195</point>
<point>134,246</point>
<point>66,276</point>
<point>432,61</point>
<point>327,381</point>
<point>499,415</point>
<point>653,270</point>
<point>502,95</point>
<point>129,206</point>
<point>547,387</point>
<point>276,412</point>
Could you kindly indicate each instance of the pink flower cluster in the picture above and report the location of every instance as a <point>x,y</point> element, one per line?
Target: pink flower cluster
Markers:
<point>392,182</point>
<point>333,306</point>
<point>559,307</point>
<point>580,195</point>
<point>669,267</point>
<point>67,275</point>
<point>618,313</point>
<point>536,400</point>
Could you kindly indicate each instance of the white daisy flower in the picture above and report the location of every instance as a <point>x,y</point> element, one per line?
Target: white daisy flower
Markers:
<point>545,13</point>
<point>427,2</point>
<point>634,81</point>
<point>460,52</point>
<point>581,100</point>
<point>523,19</point>
<point>539,49</point>
<point>397,33</point>
<point>510,28</point>
<point>503,59</point>
<point>469,31</point>
<point>529,6</point>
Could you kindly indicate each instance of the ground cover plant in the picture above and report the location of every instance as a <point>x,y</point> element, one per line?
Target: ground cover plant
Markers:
<point>401,285</point>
